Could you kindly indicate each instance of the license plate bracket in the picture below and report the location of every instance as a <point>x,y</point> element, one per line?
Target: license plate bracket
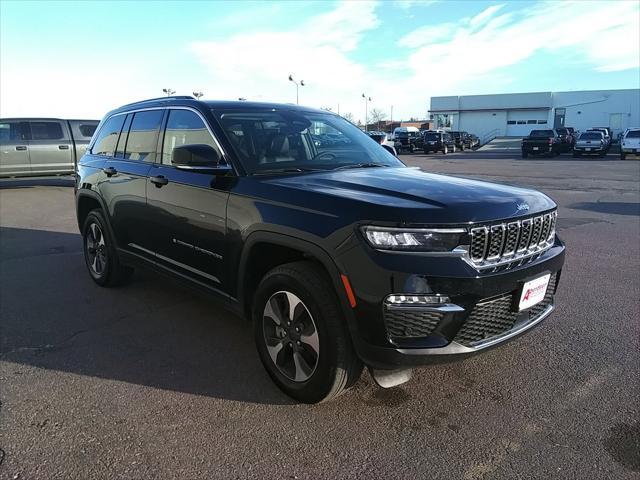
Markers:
<point>532,292</point>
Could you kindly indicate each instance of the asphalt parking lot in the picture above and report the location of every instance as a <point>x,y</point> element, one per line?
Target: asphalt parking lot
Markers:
<point>153,381</point>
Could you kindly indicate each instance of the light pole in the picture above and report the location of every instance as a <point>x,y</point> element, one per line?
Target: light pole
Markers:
<point>301,84</point>
<point>392,118</point>
<point>367,99</point>
<point>198,95</point>
<point>168,91</point>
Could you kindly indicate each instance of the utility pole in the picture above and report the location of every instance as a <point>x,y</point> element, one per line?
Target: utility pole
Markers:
<point>367,99</point>
<point>301,84</point>
<point>168,91</point>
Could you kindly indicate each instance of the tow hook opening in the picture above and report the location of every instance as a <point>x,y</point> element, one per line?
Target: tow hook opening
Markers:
<point>390,378</point>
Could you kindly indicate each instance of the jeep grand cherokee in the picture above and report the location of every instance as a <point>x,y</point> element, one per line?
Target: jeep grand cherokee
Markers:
<point>340,255</point>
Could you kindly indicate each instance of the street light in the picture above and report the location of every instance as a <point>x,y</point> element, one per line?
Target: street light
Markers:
<point>168,91</point>
<point>198,95</point>
<point>367,99</point>
<point>301,84</point>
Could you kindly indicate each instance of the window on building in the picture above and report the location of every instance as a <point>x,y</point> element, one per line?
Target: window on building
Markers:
<point>142,141</point>
<point>542,122</point>
<point>105,143</point>
<point>511,122</point>
<point>522,122</point>
<point>46,131</point>
<point>531,122</point>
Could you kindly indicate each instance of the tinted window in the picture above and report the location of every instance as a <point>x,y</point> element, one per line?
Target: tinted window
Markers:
<point>184,127</point>
<point>591,136</point>
<point>87,130</point>
<point>143,136</point>
<point>107,137</point>
<point>432,136</point>
<point>46,131</point>
<point>12,131</point>
<point>633,134</point>
<point>123,136</point>
<point>541,133</point>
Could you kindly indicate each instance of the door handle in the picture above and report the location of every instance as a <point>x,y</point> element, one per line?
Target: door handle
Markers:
<point>63,147</point>
<point>110,171</point>
<point>159,181</point>
<point>21,148</point>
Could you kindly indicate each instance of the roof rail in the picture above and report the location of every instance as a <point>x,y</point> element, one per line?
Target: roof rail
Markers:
<point>159,99</point>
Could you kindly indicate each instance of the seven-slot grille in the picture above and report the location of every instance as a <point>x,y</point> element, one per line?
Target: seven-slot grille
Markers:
<point>506,242</point>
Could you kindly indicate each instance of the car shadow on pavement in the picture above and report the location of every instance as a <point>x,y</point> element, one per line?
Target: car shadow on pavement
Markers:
<point>26,182</point>
<point>151,332</point>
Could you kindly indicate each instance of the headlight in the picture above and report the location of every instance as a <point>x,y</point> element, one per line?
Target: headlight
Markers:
<point>414,239</point>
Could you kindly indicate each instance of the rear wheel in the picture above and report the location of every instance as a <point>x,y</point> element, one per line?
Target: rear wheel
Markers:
<point>525,154</point>
<point>445,150</point>
<point>100,254</point>
<point>301,335</point>
<point>623,156</point>
<point>411,148</point>
<point>576,154</point>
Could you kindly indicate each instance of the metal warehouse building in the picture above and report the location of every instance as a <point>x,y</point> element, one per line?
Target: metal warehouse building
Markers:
<point>516,114</point>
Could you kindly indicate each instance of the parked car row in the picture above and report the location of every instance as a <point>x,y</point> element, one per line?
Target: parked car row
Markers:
<point>594,141</point>
<point>410,139</point>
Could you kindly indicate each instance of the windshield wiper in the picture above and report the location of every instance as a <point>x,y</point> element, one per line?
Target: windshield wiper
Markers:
<point>360,165</point>
<point>285,170</point>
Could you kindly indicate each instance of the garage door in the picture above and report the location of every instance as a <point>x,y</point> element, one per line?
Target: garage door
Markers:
<point>521,122</point>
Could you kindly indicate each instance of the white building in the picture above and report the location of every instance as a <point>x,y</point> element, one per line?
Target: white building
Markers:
<point>516,114</point>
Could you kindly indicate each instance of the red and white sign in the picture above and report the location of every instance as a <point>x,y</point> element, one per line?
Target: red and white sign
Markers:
<point>534,291</point>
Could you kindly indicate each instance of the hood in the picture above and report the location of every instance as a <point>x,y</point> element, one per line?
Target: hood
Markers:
<point>410,196</point>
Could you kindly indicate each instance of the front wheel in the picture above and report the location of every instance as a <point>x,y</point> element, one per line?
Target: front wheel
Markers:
<point>623,156</point>
<point>301,334</point>
<point>525,154</point>
<point>445,150</point>
<point>100,254</point>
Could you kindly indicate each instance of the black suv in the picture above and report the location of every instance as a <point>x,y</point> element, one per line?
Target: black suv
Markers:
<point>463,140</point>
<point>408,141</point>
<point>438,141</point>
<point>339,254</point>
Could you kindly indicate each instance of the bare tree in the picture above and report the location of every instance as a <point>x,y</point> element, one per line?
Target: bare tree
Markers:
<point>377,116</point>
<point>348,116</point>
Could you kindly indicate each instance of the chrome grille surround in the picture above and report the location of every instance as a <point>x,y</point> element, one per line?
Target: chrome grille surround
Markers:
<point>514,242</point>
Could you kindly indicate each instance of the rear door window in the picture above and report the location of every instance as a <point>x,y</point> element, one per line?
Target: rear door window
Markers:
<point>42,130</point>
<point>142,141</point>
<point>107,138</point>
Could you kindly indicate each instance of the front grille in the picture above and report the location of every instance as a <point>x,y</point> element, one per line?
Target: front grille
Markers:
<point>492,245</point>
<point>409,323</point>
<point>496,317</point>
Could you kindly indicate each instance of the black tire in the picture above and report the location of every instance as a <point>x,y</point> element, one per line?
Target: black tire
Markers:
<point>426,151</point>
<point>337,366</point>
<point>445,150</point>
<point>410,148</point>
<point>100,251</point>
<point>462,147</point>
<point>576,154</point>
<point>623,156</point>
<point>602,154</point>
<point>525,154</point>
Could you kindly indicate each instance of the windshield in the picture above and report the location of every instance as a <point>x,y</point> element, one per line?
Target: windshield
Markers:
<point>269,141</point>
<point>591,136</point>
<point>432,136</point>
<point>633,134</point>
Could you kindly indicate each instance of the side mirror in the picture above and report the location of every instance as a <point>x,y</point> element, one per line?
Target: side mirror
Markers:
<point>196,155</point>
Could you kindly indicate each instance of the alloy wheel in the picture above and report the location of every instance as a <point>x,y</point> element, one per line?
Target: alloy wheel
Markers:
<point>291,336</point>
<point>96,249</point>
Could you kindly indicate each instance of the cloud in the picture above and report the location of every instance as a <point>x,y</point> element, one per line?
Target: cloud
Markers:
<point>256,65</point>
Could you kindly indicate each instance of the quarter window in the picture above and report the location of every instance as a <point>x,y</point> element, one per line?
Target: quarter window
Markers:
<point>184,127</point>
<point>105,143</point>
<point>46,131</point>
<point>87,130</point>
<point>143,136</point>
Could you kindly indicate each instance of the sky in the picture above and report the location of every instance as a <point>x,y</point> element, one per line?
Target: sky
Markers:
<point>82,59</point>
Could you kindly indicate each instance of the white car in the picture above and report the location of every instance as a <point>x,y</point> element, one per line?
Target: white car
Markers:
<point>630,143</point>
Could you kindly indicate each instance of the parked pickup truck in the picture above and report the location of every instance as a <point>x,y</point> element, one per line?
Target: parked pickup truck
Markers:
<point>630,143</point>
<point>591,142</point>
<point>541,142</point>
<point>42,146</point>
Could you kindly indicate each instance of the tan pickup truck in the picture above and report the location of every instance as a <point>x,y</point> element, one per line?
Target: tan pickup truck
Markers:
<point>42,146</point>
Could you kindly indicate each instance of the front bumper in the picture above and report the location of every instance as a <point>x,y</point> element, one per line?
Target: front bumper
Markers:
<point>461,328</point>
<point>630,151</point>
<point>596,149</point>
